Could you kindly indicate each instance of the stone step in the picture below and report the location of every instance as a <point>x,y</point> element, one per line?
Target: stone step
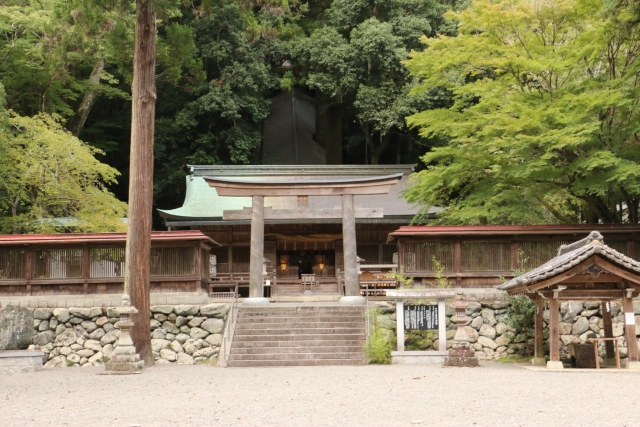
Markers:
<point>323,343</point>
<point>300,319</point>
<point>300,331</point>
<point>296,356</point>
<point>299,337</point>
<point>303,309</point>
<point>306,362</point>
<point>298,349</point>
<point>297,324</point>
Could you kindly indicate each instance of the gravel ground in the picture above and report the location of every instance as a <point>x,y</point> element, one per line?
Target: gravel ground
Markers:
<point>492,395</point>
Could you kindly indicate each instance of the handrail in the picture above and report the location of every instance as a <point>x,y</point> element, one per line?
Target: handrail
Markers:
<point>229,329</point>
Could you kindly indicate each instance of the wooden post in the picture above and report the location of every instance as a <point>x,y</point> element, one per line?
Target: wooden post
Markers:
<point>538,359</point>
<point>138,249</point>
<point>630,330</point>
<point>352,287</point>
<point>257,252</point>
<point>28,267</point>
<point>400,323</point>
<point>605,309</point>
<point>457,261</point>
<point>554,334</point>
<point>86,267</point>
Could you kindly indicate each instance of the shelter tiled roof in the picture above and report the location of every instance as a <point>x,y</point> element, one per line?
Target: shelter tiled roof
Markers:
<point>571,255</point>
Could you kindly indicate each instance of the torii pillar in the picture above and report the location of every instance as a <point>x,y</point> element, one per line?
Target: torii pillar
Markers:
<point>346,188</point>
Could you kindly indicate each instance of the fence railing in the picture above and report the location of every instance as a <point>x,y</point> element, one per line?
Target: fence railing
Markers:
<point>229,330</point>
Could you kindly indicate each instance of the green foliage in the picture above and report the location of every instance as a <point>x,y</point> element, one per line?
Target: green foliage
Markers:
<point>377,348</point>
<point>544,120</point>
<point>419,340</point>
<point>441,279</point>
<point>45,172</point>
<point>406,282</point>
<point>521,317</point>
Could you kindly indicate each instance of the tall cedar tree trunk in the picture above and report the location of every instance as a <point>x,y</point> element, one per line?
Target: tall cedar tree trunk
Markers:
<point>138,251</point>
<point>88,100</point>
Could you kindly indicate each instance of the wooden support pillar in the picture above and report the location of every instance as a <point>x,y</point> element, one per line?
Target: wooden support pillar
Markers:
<point>554,335</point>
<point>400,323</point>
<point>457,261</point>
<point>352,287</point>
<point>538,359</point>
<point>256,260</point>
<point>605,309</point>
<point>630,330</point>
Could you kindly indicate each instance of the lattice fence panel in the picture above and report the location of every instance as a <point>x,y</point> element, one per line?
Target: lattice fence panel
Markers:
<point>12,264</point>
<point>172,261</point>
<point>486,256</point>
<point>419,257</point>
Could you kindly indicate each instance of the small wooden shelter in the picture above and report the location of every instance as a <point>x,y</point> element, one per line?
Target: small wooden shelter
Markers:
<point>584,270</point>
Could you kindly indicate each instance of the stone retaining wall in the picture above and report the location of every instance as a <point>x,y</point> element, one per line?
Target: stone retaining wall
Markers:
<point>491,338</point>
<point>183,334</point>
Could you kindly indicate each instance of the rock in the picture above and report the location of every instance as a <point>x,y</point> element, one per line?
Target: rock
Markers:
<point>93,345</point>
<point>65,351</point>
<point>76,347</point>
<point>568,339</point>
<point>205,352</point>
<point>167,354</point>
<point>172,317</point>
<point>107,350</point>
<point>42,313</point>
<point>182,338</point>
<point>44,338</point>
<point>163,362</point>
<point>589,313</point>
<point>170,328</point>
<point>96,358</point>
<point>177,347</point>
<point>101,321</point>
<point>472,334</point>
<point>618,329</point>
<point>565,328</point>
<point>196,321</point>
<point>75,320</point>
<point>56,362</point>
<point>169,337</point>
<point>214,340</point>
<point>66,338</point>
<point>489,352</point>
<point>159,334</point>
<point>186,310</point>
<point>108,327</point>
<point>636,307</point>
<point>164,309</point>
<point>488,316</point>
<point>571,310</point>
<point>584,337</point>
<point>581,326</point>
<point>62,314</point>
<point>594,324</point>
<point>496,305</point>
<point>615,309</point>
<point>503,340</point>
<point>112,313</point>
<point>474,307</point>
<point>215,326</point>
<point>220,310</point>
<point>85,313</point>
<point>487,342</point>
<point>197,333</point>
<point>60,329</point>
<point>477,322</point>
<point>477,346</point>
<point>97,334</point>
<point>160,317</point>
<point>54,353</point>
<point>184,359</point>
<point>85,353</point>
<point>181,321</point>
<point>487,331</point>
<point>154,324</point>
<point>53,323</point>
<point>200,359</point>
<point>110,337</point>
<point>185,329</point>
<point>16,328</point>
<point>36,323</point>
<point>157,345</point>
<point>501,328</point>
<point>73,358</point>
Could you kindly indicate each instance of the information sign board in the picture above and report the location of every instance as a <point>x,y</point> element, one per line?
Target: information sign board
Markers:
<point>420,317</point>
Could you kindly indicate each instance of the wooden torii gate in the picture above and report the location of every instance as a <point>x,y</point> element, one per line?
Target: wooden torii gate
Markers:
<point>346,188</point>
<point>584,270</point>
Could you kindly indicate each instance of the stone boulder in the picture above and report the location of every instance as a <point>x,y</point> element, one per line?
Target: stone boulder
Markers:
<point>220,310</point>
<point>496,305</point>
<point>164,309</point>
<point>472,334</point>
<point>44,338</point>
<point>581,326</point>
<point>167,354</point>
<point>16,328</point>
<point>66,339</point>
<point>157,345</point>
<point>197,333</point>
<point>85,313</point>
<point>110,338</point>
<point>186,310</point>
<point>488,343</point>
<point>565,328</point>
<point>56,362</point>
<point>93,345</point>
<point>214,340</point>
<point>62,314</point>
<point>476,323</point>
<point>488,315</point>
<point>213,325</point>
<point>195,322</point>
<point>170,328</point>
<point>182,338</point>
<point>42,313</point>
<point>184,359</point>
<point>474,307</point>
<point>487,331</point>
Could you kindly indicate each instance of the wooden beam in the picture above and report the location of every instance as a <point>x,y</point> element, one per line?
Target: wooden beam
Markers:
<point>587,278</point>
<point>605,310</point>
<point>301,213</point>
<point>630,330</point>
<point>553,280</point>
<point>539,332</point>
<point>634,278</point>
<point>554,330</point>
<point>573,294</point>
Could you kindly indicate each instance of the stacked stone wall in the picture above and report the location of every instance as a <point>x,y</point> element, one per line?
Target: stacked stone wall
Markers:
<point>183,334</point>
<point>492,338</point>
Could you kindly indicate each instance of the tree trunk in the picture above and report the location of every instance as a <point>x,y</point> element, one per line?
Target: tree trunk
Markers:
<point>138,250</point>
<point>89,98</point>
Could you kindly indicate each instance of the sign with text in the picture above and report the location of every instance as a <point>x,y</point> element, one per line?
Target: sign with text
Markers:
<point>420,317</point>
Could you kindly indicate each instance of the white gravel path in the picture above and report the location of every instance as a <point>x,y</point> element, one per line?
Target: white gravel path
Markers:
<point>492,395</point>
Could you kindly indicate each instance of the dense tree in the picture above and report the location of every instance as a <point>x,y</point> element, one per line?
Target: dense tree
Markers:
<point>544,125</point>
<point>45,173</point>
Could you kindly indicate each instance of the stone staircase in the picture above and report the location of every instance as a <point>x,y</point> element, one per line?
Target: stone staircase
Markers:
<point>305,335</point>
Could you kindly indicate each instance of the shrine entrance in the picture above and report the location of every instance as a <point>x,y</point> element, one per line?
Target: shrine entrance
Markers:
<point>302,190</point>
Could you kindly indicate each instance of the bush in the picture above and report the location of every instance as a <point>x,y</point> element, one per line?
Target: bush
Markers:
<point>377,348</point>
